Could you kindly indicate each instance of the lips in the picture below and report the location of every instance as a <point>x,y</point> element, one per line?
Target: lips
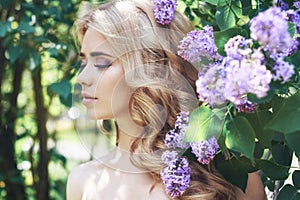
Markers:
<point>88,99</point>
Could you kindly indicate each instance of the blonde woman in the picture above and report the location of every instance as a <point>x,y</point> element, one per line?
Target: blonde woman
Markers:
<point>131,73</point>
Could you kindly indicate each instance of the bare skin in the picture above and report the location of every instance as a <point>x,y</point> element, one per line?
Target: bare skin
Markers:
<point>95,180</point>
<point>114,176</point>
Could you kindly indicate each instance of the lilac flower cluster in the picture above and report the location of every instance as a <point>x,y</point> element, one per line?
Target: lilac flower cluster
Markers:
<point>205,150</point>
<point>244,69</point>
<point>247,75</point>
<point>198,44</point>
<point>241,72</point>
<point>177,175</point>
<point>164,10</point>
<point>269,28</point>
<point>210,84</point>
<point>174,138</point>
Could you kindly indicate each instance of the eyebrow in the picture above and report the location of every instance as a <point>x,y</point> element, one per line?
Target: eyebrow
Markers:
<point>95,53</point>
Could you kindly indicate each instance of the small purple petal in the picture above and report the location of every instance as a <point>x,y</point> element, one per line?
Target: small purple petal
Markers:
<point>176,176</point>
<point>205,150</point>
<point>164,10</point>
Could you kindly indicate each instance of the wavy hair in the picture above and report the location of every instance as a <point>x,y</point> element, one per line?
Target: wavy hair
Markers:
<point>163,83</point>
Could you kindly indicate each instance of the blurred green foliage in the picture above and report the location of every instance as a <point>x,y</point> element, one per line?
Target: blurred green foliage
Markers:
<point>38,61</point>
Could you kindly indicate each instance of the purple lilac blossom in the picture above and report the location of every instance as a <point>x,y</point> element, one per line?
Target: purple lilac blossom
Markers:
<point>270,29</point>
<point>198,44</point>
<point>294,46</point>
<point>244,76</point>
<point>238,47</point>
<point>176,176</point>
<point>164,10</point>
<point>283,5</point>
<point>174,138</point>
<point>169,156</point>
<point>292,16</point>
<point>245,106</point>
<point>210,85</point>
<point>297,4</point>
<point>205,150</point>
<point>283,71</point>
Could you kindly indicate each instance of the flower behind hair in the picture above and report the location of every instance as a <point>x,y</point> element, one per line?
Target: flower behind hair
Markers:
<point>205,150</point>
<point>174,138</point>
<point>177,174</point>
<point>164,10</point>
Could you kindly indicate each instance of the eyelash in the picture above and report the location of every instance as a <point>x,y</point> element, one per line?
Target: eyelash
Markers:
<point>82,65</point>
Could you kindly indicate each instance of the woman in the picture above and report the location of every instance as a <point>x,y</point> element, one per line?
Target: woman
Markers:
<point>131,73</point>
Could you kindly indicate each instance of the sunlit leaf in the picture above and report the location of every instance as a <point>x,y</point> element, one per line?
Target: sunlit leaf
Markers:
<point>204,123</point>
<point>240,136</point>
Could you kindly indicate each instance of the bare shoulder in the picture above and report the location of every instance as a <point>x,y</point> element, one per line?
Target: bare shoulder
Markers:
<point>254,190</point>
<point>79,177</point>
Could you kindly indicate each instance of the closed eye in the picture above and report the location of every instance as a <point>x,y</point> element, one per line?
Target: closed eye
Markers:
<point>102,66</point>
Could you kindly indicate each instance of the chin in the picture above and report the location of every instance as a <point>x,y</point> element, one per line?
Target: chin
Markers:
<point>92,115</point>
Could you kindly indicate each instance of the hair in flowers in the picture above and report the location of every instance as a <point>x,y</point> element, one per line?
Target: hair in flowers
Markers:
<point>164,92</point>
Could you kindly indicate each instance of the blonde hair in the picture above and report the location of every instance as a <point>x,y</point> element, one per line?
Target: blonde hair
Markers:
<point>163,83</point>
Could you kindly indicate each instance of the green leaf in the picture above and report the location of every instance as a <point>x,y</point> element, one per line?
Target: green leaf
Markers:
<point>288,117</point>
<point>225,18</point>
<point>227,12</point>
<point>204,123</point>
<point>243,20</point>
<point>63,88</point>
<point>273,170</point>
<point>292,29</point>
<point>232,170</point>
<point>296,179</point>
<point>14,53</point>
<point>240,136</point>
<point>221,37</point>
<point>277,102</point>
<point>282,154</point>
<point>292,140</point>
<point>258,120</point>
<point>288,192</point>
<point>212,2</point>
<point>25,27</point>
<point>296,58</point>
<point>4,27</point>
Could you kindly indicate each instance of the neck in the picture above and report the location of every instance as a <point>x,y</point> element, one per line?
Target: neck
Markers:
<point>124,141</point>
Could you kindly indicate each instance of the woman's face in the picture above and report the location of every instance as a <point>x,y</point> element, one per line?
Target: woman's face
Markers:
<point>105,93</point>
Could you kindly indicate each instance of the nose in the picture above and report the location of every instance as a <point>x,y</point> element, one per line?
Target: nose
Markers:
<point>83,77</point>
